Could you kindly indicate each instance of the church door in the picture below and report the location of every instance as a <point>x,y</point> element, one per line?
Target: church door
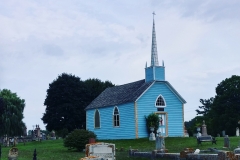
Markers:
<point>162,124</point>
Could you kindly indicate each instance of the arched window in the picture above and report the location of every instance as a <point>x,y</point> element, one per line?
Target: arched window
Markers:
<point>97,119</point>
<point>160,102</point>
<point>116,120</point>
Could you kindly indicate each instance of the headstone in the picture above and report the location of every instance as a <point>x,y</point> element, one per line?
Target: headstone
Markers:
<point>13,154</point>
<point>237,151</point>
<point>204,129</point>
<point>223,133</point>
<point>197,151</point>
<point>237,131</point>
<point>226,141</point>
<point>160,143</point>
<point>101,150</point>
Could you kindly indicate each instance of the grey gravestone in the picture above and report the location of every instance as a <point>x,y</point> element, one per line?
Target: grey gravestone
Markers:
<point>226,141</point>
<point>204,129</point>
<point>237,131</point>
<point>160,143</point>
<point>223,133</point>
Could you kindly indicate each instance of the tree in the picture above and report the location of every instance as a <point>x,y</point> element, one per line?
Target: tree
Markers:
<point>65,102</point>
<point>206,106</point>
<point>66,99</point>
<point>225,110</point>
<point>11,110</point>
<point>95,87</point>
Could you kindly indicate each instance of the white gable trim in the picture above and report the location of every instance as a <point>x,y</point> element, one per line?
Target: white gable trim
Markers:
<point>144,91</point>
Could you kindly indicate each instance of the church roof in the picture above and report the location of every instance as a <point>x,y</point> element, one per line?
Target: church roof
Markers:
<point>126,93</point>
<point>120,94</point>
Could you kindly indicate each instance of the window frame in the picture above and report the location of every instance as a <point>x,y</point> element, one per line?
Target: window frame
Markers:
<point>165,104</point>
<point>99,119</point>
<point>117,116</point>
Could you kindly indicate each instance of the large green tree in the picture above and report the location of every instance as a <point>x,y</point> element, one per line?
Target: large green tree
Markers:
<point>11,110</point>
<point>66,99</point>
<point>225,111</point>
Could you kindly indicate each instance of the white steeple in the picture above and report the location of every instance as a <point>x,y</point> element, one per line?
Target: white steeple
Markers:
<point>154,54</point>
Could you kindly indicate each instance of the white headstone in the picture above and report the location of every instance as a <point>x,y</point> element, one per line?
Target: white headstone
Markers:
<point>101,150</point>
<point>197,151</point>
<point>237,131</point>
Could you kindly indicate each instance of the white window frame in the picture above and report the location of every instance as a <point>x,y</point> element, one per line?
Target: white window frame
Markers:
<point>163,100</point>
<point>114,117</point>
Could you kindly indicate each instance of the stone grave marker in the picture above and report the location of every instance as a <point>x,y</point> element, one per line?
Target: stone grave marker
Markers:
<point>226,141</point>
<point>101,150</point>
<point>237,131</point>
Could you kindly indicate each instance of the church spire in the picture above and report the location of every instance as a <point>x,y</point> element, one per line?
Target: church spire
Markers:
<point>154,54</point>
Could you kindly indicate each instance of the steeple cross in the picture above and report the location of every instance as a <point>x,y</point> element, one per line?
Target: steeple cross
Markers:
<point>153,14</point>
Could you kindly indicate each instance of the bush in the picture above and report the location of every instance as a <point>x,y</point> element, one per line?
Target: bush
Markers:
<point>152,120</point>
<point>78,138</point>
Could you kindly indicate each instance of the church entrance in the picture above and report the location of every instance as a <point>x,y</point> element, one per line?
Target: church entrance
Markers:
<point>162,124</point>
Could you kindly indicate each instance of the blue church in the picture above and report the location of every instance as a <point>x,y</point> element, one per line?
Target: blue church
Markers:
<point>119,112</point>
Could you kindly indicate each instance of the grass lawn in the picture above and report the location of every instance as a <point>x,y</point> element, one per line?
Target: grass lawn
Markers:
<point>54,150</point>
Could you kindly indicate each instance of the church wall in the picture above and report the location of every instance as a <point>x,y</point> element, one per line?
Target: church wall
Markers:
<point>146,105</point>
<point>126,130</point>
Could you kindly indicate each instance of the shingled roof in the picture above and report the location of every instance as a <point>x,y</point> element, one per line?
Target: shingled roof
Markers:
<point>119,94</point>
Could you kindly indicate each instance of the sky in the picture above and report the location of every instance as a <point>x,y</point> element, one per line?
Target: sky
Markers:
<point>199,42</point>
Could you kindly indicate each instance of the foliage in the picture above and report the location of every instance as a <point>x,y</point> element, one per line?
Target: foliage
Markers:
<point>66,99</point>
<point>11,108</point>
<point>225,111</point>
<point>65,103</point>
<point>194,123</point>
<point>206,106</point>
<point>95,87</point>
<point>78,139</point>
<point>62,133</point>
<point>152,120</point>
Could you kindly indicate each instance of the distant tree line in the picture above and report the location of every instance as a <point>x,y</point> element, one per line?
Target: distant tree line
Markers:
<point>221,112</point>
<point>66,99</point>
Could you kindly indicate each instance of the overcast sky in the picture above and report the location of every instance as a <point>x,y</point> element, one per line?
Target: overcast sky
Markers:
<point>199,42</point>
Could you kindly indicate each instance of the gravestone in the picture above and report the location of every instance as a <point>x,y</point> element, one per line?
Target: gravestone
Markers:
<point>226,142</point>
<point>13,154</point>
<point>160,143</point>
<point>223,133</point>
<point>204,129</point>
<point>101,150</point>
<point>237,131</point>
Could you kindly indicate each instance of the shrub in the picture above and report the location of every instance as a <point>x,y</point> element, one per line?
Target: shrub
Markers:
<point>152,120</point>
<point>78,138</point>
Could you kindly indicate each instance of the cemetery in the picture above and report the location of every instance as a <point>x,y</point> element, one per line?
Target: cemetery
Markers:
<point>144,148</point>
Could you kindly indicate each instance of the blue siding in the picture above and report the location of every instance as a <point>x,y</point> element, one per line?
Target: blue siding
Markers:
<point>160,73</point>
<point>155,73</point>
<point>146,105</point>
<point>126,130</point>
<point>149,76</point>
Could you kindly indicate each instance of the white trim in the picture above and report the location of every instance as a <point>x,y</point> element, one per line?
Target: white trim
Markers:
<point>144,91</point>
<point>114,115</point>
<point>99,119</point>
<point>163,100</point>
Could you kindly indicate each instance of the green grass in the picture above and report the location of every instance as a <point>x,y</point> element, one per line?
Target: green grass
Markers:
<point>54,150</point>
